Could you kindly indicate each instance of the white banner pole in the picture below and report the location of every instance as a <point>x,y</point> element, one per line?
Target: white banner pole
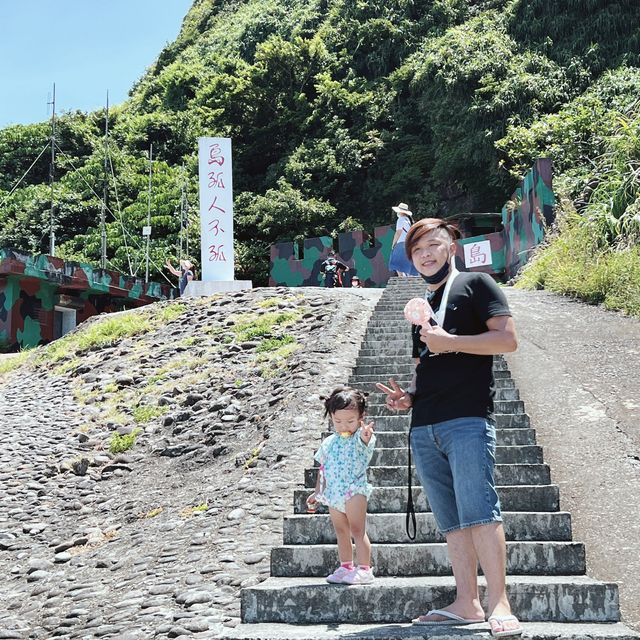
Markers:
<point>216,209</point>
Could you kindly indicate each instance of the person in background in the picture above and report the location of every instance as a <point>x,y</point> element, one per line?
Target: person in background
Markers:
<point>185,274</point>
<point>356,282</point>
<point>399,262</point>
<point>332,268</point>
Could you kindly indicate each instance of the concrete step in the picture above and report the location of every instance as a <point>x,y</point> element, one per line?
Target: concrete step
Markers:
<point>386,420</point>
<point>533,631</point>
<point>504,437</point>
<point>513,407</point>
<point>394,499</point>
<point>368,385</point>
<point>428,559</point>
<point>306,529</point>
<point>393,600</point>
<point>397,456</point>
<point>408,364</point>
<point>394,476</point>
<point>406,367</point>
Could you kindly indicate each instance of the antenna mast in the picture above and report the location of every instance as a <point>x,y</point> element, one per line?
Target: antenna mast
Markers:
<point>105,192</point>
<point>52,171</point>
<point>147,230</point>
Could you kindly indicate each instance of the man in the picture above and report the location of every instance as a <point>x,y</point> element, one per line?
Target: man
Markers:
<point>452,426</point>
<point>332,269</point>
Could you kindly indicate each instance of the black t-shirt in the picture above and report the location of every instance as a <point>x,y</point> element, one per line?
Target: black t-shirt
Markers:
<point>457,385</point>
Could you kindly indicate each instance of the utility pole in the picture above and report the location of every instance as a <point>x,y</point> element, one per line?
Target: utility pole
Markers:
<point>146,231</point>
<point>52,172</point>
<point>183,219</point>
<point>105,192</point>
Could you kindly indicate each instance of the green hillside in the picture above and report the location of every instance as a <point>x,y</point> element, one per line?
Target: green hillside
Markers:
<point>340,108</point>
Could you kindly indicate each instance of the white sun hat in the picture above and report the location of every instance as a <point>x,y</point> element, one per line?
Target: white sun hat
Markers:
<point>402,209</point>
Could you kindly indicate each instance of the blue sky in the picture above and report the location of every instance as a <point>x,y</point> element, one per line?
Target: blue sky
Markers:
<point>87,47</point>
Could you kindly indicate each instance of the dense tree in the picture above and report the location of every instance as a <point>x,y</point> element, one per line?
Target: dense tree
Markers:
<point>337,110</point>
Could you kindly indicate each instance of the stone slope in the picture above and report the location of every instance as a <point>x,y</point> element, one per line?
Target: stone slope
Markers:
<point>156,541</point>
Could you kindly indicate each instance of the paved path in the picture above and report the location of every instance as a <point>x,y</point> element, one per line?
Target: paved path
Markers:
<point>577,368</point>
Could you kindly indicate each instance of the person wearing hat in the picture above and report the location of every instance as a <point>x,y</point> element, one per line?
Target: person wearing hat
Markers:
<point>356,282</point>
<point>185,274</point>
<point>398,261</point>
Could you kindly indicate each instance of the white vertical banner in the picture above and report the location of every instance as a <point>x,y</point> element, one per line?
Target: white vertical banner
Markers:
<point>216,209</point>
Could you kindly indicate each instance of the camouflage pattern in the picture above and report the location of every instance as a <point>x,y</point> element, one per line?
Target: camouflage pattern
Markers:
<point>32,286</point>
<point>368,260</point>
<point>520,227</point>
<point>527,216</point>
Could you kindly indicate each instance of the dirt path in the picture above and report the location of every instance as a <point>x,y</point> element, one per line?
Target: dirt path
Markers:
<point>577,368</point>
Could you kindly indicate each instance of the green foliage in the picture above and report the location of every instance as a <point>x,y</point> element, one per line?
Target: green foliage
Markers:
<point>120,444</point>
<point>575,263</point>
<point>101,333</point>
<point>337,110</point>
<point>145,413</point>
<point>250,326</point>
<point>12,362</point>
<point>273,344</point>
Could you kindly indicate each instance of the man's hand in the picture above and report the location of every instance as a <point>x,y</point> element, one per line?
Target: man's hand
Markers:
<point>437,339</point>
<point>397,398</point>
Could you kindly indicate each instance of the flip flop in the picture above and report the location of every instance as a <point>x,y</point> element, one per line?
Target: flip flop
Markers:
<point>505,633</point>
<point>452,619</point>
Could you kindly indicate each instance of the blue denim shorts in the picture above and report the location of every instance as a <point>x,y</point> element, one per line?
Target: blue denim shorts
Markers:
<point>455,462</point>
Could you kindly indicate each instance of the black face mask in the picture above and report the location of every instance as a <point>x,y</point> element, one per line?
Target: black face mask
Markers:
<point>439,276</point>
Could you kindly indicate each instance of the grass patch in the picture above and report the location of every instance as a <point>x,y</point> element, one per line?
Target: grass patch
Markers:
<point>65,367</point>
<point>187,512</point>
<point>575,263</point>
<point>274,361</point>
<point>102,333</point>
<point>10,363</point>
<point>120,444</point>
<point>154,512</point>
<point>270,302</point>
<point>170,312</point>
<point>111,413</point>
<point>250,326</point>
<point>145,413</point>
<point>273,344</point>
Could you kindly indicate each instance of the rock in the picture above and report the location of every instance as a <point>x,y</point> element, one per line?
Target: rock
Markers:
<point>79,467</point>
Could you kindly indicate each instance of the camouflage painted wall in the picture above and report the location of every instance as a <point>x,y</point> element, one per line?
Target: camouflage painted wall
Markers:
<point>527,215</point>
<point>32,286</point>
<point>524,219</point>
<point>365,258</point>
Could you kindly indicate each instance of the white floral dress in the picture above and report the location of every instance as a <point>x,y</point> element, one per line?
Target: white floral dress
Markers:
<point>343,469</point>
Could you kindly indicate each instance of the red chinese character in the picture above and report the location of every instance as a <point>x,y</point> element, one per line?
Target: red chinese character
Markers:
<point>215,155</point>
<point>215,180</point>
<point>216,254</point>
<point>213,205</point>
<point>215,228</point>
<point>476,254</point>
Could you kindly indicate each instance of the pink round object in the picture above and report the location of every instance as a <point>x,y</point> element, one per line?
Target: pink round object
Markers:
<point>418,311</point>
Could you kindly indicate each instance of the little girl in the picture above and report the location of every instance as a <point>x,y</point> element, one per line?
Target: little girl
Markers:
<point>342,483</point>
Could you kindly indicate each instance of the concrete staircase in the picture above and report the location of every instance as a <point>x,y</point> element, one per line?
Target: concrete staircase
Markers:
<point>547,584</point>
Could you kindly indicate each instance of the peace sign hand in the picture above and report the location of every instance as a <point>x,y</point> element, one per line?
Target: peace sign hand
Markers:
<point>366,432</point>
<point>397,398</point>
